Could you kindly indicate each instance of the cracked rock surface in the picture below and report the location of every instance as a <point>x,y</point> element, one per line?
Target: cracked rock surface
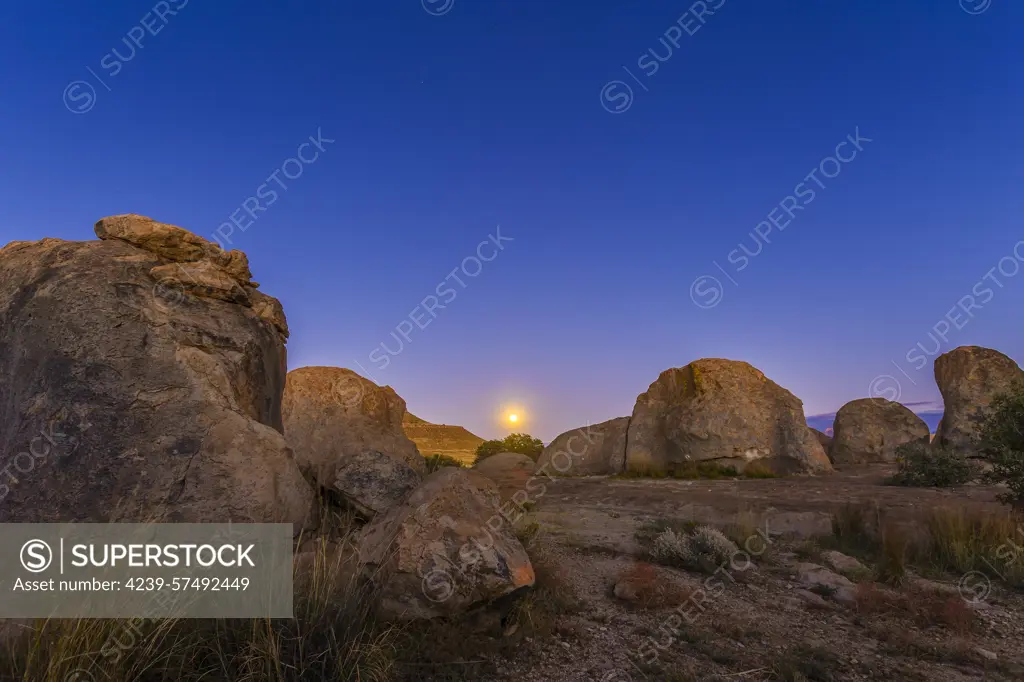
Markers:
<point>144,374</point>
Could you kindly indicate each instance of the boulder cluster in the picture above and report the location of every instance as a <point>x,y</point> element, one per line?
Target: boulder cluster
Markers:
<point>145,379</point>
<point>729,413</point>
<point>715,411</point>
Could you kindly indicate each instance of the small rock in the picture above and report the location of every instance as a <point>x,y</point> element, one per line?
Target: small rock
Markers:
<point>812,599</point>
<point>986,654</point>
<point>813,575</point>
<point>843,563</point>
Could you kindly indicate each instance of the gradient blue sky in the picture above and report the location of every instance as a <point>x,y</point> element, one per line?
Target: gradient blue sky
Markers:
<point>447,126</point>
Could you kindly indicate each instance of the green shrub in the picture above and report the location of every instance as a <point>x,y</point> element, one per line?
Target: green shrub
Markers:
<point>926,465</point>
<point>1001,440</point>
<point>438,461</point>
<point>522,443</point>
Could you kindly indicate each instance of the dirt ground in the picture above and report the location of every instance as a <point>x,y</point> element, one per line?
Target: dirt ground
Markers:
<point>758,623</point>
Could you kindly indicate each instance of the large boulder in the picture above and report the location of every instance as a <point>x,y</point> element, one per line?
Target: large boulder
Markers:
<point>724,411</point>
<point>597,450</point>
<point>444,550</point>
<point>126,398</point>
<point>868,431</point>
<point>332,414</point>
<point>969,377</point>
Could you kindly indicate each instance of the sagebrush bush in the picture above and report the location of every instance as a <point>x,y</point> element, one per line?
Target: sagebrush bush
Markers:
<point>704,549</point>
<point>927,465</point>
<point>1001,440</point>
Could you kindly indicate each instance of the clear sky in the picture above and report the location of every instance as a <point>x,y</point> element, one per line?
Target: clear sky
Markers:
<point>436,122</point>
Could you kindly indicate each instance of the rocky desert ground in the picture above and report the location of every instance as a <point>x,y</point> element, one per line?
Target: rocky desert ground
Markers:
<point>709,535</point>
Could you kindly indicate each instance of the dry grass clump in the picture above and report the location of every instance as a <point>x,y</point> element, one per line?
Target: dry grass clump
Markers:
<point>805,662</point>
<point>653,588</point>
<point>334,635</point>
<point>952,540</point>
<point>926,608</point>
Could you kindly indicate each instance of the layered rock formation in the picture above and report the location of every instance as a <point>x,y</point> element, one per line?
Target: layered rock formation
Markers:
<point>869,430</point>
<point>597,450</point>
<point>724,411</point>
<point>445,549</point>
<point>969,378</point>
<point>443,439</point>
<point>143,376</point>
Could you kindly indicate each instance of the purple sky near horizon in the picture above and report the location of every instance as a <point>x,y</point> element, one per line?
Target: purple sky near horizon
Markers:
<point>633,238</point>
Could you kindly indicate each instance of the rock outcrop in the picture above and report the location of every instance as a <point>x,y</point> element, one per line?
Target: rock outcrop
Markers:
<point>444,550</point>
<point>825,440</point>
<point>597,450</point>
<point>332,415</point>
<point>126,398</point>
<point>372,482</point>
<point>725,411</point>
<point>868,431</point>
<point>441,439</point>
<point>969,377</point>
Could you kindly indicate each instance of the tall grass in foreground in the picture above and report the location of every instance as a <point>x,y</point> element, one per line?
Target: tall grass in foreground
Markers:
<point>334,636</point>
<point>949,540</point>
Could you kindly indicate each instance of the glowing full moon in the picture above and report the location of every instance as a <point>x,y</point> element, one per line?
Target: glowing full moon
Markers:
<point>513,417</point>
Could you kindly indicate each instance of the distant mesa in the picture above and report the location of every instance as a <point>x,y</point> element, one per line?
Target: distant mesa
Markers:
<point>445,439</point>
